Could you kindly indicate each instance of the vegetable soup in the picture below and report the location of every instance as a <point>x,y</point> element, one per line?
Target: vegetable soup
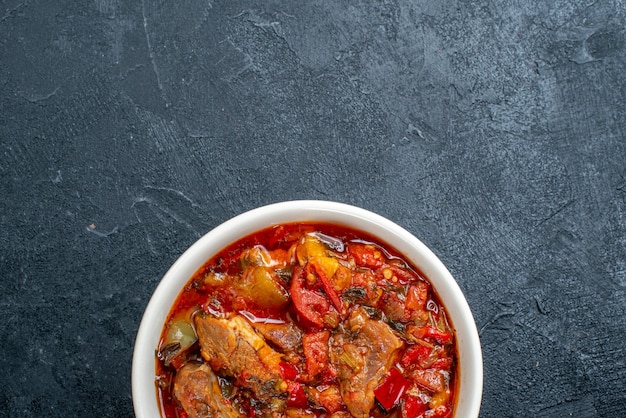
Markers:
<point>307,320</point>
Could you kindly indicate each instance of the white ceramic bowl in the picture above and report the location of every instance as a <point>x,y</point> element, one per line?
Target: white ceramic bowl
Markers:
<point>470,362</point>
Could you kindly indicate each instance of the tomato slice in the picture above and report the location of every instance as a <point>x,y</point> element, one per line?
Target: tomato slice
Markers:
<point>309,305</point>
<point>366,255</point>
<point>403,275</point>
<point>315,347</point>
<point>416,296</point>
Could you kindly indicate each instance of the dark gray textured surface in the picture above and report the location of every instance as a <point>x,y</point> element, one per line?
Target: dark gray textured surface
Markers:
<point>492,130</point>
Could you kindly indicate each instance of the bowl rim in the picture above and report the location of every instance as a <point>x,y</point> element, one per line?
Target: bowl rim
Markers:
<point>144,394</point>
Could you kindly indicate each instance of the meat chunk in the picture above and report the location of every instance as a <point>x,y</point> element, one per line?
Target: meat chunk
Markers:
<point>231,346</point>
<point>433,380</point>
<point>286,337</point>
<point>197,389</point>
<point>362,351</point>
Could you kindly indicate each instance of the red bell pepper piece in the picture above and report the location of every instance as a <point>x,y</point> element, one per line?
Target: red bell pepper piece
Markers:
<point>441,337</point>
<point>288,371</point>
<point>414,354</point>
<point>328,287</point>
<point>413,407</point>
<point>391,390</point>
<point>297,396</point>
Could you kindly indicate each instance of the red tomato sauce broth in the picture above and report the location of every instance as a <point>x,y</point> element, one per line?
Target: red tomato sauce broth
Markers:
<point>347,294</point>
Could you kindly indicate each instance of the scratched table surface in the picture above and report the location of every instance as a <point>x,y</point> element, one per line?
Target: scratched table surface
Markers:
<point>494,131</point>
